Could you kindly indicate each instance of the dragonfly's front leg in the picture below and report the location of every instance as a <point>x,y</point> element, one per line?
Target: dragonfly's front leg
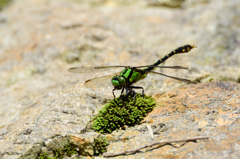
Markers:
<point>113,93</point>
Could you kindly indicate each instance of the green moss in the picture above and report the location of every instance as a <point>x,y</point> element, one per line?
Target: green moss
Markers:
<point>123,111</point>
<point>45,156</point>
<point>68,150</point>
<point>100,145</point>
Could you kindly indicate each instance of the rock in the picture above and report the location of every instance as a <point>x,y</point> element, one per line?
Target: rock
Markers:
<point>186,117</point>
<point>85,146</point>
<point>48,127</point>
<point>189,120</point>
<point>41,103</point>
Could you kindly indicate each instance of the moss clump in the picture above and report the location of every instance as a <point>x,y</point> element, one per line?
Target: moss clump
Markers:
<point>68,151</point>
<point>123,111</point>
<point>100,145</point>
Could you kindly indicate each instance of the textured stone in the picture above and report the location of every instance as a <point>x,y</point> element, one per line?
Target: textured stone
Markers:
<point>40,100</point>
<point>222,127</point>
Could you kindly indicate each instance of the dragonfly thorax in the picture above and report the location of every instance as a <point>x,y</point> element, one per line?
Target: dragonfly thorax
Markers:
<point>118,81</point>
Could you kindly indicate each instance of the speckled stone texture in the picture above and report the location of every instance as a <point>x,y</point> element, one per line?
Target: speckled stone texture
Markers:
<point>41,103</point>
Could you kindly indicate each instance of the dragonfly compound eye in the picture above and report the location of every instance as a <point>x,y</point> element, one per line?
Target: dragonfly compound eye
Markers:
<point>118,82</point>
<point>122,81</point>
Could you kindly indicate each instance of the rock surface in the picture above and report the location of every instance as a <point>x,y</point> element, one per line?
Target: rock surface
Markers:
<point>208,109</point>
<point>41,103</point>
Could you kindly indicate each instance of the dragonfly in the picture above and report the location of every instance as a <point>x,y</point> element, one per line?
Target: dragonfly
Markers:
<point>130,75</point>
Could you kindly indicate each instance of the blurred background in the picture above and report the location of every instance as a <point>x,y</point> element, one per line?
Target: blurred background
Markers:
<point>41,39</point>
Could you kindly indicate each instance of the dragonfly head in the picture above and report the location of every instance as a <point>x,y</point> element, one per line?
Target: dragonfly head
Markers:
<point>118,81</point>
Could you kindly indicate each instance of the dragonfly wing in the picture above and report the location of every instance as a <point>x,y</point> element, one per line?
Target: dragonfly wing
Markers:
<point>172,67</point>
<point>107,68</point>
<point>100,81</point>
<point>92,69</point>
<point>176,78</point>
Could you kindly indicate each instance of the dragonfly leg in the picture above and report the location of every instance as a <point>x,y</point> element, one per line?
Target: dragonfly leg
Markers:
<point>113,93</point>
<point>122,91</point>
<point>137,87</point>
<point>129,89</point>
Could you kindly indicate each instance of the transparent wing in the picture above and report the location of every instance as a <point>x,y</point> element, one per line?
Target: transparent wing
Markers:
<point>100,81</point>
<point>92,69</point>
<point>107,68</point>
<point>176,78</point>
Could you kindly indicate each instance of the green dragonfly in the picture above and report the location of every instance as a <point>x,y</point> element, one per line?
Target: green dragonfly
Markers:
<point>130,75</point>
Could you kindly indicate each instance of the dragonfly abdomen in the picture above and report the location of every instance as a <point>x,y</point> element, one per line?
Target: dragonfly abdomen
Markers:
<point>182,49</point>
